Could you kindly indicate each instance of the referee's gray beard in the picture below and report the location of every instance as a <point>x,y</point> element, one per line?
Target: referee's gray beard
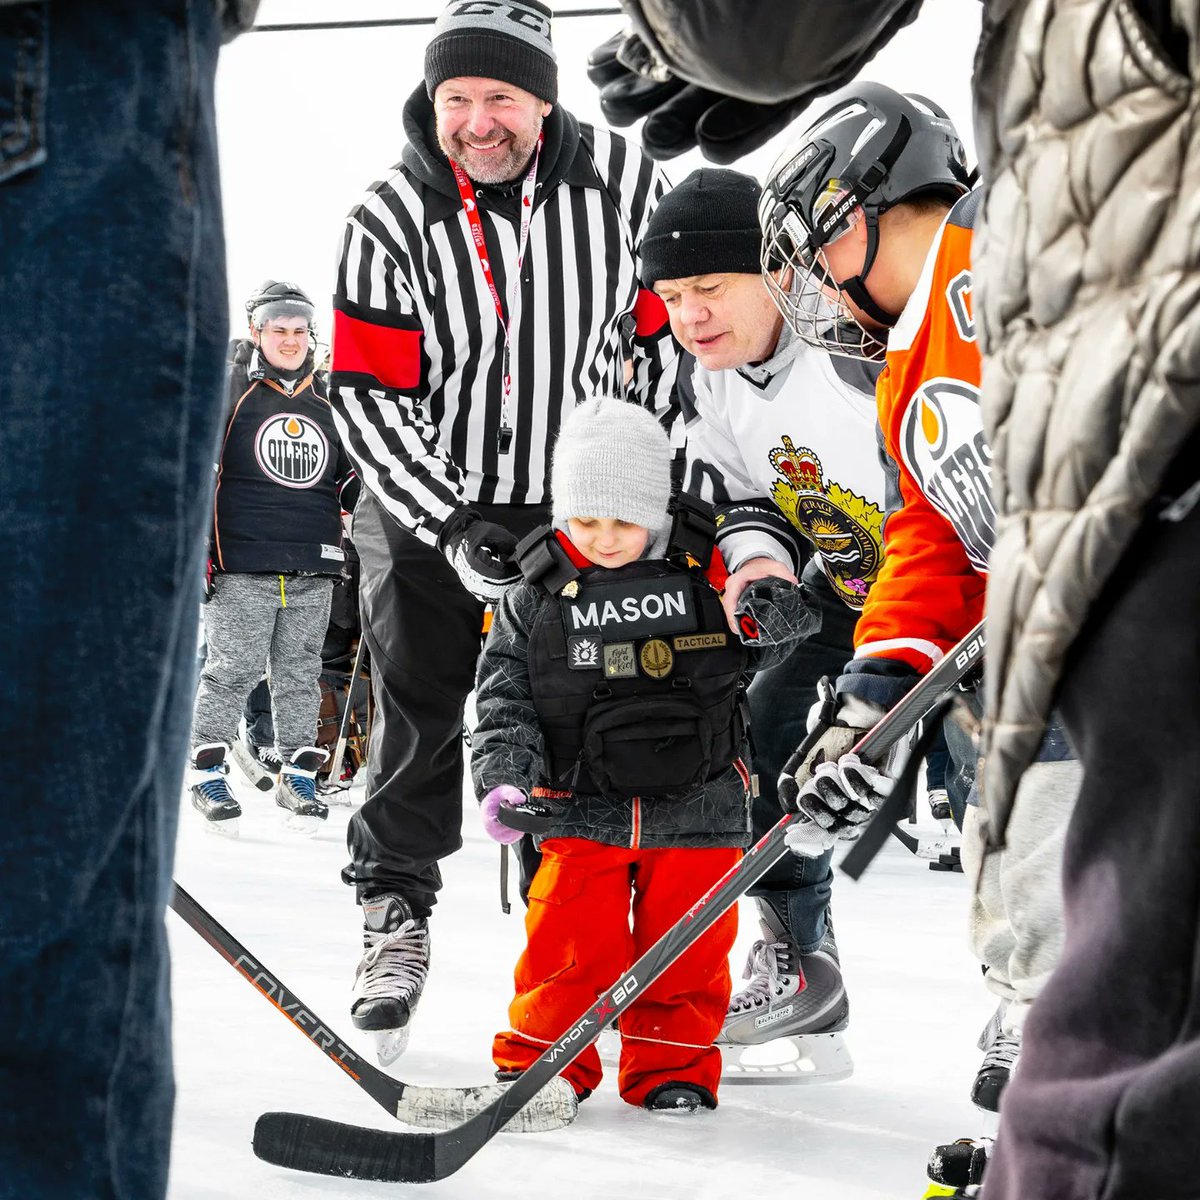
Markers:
<point>512,164</point>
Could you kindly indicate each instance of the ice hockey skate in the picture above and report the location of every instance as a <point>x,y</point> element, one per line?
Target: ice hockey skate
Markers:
<point>391,976</point>
<point>959,1164</point>
<point>296,792</point>
<point>1001,1051</point>
<point>210,792</point>
<point>259,764</point>
<point>786,1026</point>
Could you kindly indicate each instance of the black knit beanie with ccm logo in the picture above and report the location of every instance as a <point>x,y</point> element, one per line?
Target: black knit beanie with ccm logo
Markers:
<point>708,225</point>
<point>507,40</point>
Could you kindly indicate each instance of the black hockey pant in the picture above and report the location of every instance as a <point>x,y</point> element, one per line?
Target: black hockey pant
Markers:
<point>423,633</point>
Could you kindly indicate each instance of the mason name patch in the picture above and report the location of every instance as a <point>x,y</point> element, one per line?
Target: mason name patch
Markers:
<point>632,609</point>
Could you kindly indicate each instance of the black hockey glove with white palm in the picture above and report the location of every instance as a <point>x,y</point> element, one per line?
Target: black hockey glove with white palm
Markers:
<point>481,552</point>
<point>679,115</point>
<point>832,789</point>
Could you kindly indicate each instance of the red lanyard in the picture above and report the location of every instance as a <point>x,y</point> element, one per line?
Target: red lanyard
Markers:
<point>466,192</point>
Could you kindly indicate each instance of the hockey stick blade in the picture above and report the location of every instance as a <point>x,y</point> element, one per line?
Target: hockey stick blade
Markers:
<point>330,1148</point>
<point>410,1103</point>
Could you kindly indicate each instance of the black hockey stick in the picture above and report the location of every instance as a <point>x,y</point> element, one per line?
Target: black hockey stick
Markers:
<point>351,1151</point>
<point>335,768</point>
<point>404,1101</point>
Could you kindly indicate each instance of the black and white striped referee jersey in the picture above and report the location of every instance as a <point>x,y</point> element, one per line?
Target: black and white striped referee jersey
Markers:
<point>418,348</point>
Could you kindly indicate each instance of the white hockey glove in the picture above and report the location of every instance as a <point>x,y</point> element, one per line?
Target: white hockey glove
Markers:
<point>811,782</point>
<point>482,554</point>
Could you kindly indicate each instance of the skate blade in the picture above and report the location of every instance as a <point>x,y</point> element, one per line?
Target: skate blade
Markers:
<point>304,826</point>
<point>554,1107</point>
<point>390,1044</point>
<point>802,1058</point>
<point>226,829</point>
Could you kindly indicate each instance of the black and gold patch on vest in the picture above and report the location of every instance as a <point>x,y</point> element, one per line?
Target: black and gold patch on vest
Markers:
<point>656,658</point>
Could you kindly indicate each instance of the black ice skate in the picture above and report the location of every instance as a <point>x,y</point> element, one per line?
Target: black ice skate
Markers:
<point>959,1164</point>
<point>211,796</point>
<point>795,1007</point>
<point>391,976</point>
<point>1001,1051</point>
<point>679,1098</point>
<point>210,792</point>
<point>260,764</point>
<point>297,795</point>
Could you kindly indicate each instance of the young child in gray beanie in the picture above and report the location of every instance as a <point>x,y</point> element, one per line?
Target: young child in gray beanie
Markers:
<point>611,725</point>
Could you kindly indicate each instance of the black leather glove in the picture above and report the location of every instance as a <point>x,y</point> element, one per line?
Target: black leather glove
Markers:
<point>481,552</point>
<point>679,116</point>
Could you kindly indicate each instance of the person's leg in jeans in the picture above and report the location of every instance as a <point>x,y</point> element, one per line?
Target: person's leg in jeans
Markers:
<point>1106,1103</point>
<point>112,336</point>
<point>260,727</point>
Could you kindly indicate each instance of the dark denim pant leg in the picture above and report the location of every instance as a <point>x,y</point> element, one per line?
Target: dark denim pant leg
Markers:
<point>798,888</point>
<point>112,332</point>
<point>1106,1102</point>
<point>260,728</point>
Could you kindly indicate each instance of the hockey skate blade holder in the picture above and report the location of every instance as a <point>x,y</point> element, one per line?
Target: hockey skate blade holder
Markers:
<point>797,1059</point>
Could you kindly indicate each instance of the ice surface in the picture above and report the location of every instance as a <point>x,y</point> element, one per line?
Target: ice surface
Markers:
<point>917,1005</point>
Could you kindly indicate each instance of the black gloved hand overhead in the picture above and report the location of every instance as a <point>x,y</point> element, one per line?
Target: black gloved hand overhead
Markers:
<point>679,116</point>
<point>481,552</point>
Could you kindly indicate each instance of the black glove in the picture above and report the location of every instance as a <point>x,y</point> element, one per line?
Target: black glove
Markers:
<point>679,116</point>
<point>481,552</point>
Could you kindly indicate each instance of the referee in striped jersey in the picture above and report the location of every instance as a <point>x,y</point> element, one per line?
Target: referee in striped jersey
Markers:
<point>485,286</point>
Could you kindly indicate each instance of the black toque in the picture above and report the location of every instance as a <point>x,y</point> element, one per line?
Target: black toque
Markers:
<point>707,225</point>
<point>509,41</point>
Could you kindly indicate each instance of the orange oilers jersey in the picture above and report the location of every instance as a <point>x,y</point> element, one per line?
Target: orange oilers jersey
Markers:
<point>941,521</point>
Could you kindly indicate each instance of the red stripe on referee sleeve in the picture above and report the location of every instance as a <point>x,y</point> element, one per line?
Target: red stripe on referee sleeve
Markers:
<point>393,356</point>
<point>649,312</point>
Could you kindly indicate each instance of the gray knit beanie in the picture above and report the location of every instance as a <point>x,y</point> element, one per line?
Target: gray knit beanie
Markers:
<point>510,42</point>
<point>612,459</point>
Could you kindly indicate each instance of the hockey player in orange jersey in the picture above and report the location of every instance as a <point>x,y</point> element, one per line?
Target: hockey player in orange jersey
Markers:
<point>873,213</point>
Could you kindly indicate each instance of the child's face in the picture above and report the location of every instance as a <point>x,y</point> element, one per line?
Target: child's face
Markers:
<point>606,541</point>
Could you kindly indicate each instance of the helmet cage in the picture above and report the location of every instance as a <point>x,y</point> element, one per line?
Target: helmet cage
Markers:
<point>815,210</point>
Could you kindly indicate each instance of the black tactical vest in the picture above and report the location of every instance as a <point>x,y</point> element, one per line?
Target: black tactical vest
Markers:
<point>636,679</point>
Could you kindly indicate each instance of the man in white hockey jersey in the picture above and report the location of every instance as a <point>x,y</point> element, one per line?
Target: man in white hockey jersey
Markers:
<point>782,439</point>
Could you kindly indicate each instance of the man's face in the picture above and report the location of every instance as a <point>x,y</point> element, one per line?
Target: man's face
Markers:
<point>724,320</point>
<point>489,128</point>
<point>842,260</point>
<point>283,342</point>
<point>606,541</point>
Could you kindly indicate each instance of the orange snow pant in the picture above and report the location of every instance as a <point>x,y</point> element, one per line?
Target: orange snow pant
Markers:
<point>579,941</point>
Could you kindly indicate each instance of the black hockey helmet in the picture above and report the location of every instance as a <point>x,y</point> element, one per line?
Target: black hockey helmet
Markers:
<point>873,149</point>
<point>275,298</point>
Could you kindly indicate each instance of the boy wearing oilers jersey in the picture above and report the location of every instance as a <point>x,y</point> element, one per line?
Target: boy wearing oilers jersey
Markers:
<point>275,550</point>
<point>612,722</point>
<point>872,216</point>
<point>781,439</point>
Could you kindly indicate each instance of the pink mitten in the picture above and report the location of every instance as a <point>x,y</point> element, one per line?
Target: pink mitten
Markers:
<point>491,804</point>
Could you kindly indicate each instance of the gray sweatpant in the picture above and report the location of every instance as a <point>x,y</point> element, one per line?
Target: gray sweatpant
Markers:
<point>254,623</point>
<point>1016,917</point>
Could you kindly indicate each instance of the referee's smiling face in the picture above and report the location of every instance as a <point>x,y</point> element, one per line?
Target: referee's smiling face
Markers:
<point>488,127</point>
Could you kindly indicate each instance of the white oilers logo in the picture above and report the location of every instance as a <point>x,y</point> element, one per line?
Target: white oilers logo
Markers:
<point>291,450</point>
<point>945,449</point>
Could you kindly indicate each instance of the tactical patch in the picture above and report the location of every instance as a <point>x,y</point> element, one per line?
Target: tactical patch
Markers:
<point>656,658</point>
<point>583,653</point>
<point>702,641</point>
<point>620,661</point>
<point>634,608</point>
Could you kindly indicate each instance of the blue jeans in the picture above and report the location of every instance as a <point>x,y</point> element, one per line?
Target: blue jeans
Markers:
<point>113,322</point>
<point>798,888</point>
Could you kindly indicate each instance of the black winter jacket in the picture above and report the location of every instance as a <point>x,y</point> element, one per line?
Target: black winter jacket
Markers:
<point>507,744</point>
